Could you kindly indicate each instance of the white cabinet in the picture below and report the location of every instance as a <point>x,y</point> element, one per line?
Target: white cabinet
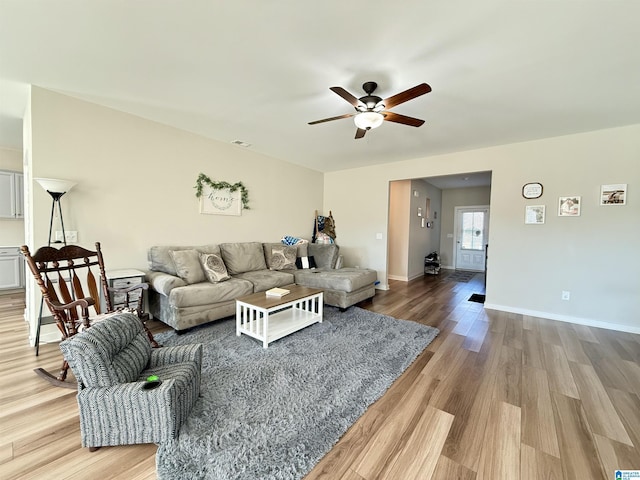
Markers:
<point>11,194</point>
<point>11,268</point>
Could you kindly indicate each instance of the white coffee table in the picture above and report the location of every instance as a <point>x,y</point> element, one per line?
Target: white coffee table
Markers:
<point>270,318</point>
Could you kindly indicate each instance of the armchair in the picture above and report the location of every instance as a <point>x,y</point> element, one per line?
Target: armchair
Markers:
<point>111,361</point>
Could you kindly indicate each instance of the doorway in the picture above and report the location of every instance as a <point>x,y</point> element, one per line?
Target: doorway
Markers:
<point>471,237</point>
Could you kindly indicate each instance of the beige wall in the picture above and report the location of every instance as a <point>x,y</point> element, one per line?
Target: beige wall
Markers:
<point>593,256</point>
<point>452,198</point>
<point>11,230</point>
<point>136,182</point>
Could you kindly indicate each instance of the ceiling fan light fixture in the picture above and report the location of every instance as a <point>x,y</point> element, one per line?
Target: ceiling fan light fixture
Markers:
<point>368,120</point>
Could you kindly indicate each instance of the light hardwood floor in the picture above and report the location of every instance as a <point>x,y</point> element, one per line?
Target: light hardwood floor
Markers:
<point>495,396</point>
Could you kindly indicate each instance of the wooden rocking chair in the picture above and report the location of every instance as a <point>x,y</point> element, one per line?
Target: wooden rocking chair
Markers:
<point>58,273</point>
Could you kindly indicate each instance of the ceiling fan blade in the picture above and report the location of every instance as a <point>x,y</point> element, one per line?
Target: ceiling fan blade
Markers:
<point>346,115</point>
<point>405,96</point>
<point>360,133</point>
<point>403,119</point>
<point>346,95</point>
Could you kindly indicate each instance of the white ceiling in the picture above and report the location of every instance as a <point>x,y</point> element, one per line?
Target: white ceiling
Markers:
<point>465,180</point>
<point>258,71</point>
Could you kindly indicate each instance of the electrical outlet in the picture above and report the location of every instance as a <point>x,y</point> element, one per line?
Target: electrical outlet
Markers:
<point>566,295</point>
<point>72,236</point>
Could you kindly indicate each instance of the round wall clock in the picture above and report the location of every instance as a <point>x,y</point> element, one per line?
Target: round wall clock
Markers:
<point>532,190</point>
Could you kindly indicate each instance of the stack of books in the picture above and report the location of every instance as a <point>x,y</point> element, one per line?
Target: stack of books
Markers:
<point>277,292</point>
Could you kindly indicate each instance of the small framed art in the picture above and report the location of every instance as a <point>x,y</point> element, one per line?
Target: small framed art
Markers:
<point>532,190</point>
<point>615,194</point>
<point>534,214</point>
<point>569,206</point>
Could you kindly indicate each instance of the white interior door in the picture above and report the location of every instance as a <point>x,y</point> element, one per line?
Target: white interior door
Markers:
<point>472,236</point>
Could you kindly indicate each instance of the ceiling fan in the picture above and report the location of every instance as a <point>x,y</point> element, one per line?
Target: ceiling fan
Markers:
<point>372,110</point>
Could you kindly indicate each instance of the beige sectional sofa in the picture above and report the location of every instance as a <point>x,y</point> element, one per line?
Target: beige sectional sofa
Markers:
<point>186,292</point>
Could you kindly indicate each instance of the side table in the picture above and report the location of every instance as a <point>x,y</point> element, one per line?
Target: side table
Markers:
<point>122,279</point>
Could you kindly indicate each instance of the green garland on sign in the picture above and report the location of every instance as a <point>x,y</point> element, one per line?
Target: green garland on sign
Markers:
<point>203,179</point>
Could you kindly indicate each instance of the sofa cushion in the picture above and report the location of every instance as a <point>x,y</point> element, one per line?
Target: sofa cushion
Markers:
<point>279,256</point>
<point>265,279</point>
<point>206,293</point>
<point>326,256</point>
<point>188,266</point>
<point>214,268</point>
<point>303,249</point>
<point>243,257</point>
<point>160,259</point>
<point>345,279</point>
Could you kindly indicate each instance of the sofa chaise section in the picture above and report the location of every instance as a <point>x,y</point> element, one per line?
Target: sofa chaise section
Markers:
<point>342,286</point>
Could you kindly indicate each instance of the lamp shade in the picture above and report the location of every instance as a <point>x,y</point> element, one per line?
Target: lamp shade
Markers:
<point>368,120</point>
<point>54,185</point>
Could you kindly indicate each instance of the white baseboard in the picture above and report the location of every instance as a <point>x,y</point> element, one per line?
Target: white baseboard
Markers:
<point>398,277</point>
<point>564,318</point>
<point>405,279</point>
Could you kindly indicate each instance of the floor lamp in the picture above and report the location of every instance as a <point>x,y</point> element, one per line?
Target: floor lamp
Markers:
<point>56,188</point>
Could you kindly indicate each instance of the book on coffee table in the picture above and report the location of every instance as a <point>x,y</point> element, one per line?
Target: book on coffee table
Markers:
<point>277,292</point>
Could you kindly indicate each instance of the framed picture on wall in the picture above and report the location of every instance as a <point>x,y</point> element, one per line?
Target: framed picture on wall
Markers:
<point>534,214</point>
<point>220,201</point>
<point>569,206</point>
<point>614,194</point>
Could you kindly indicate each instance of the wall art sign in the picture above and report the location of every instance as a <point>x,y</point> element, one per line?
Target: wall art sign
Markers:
<point>534,214</point>
<point>569,206</point>
<point>532,190</point>
<point>221,198</point>
<point>220,202</point>
<point>614,194</point>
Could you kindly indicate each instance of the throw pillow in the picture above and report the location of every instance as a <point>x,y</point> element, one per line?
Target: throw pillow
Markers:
<point>188,265</point>
<point>283,257</point>
<point>214,267</point>
<point>305,262</point>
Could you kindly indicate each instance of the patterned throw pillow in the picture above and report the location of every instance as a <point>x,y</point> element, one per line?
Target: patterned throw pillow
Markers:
<point>283,257</point>
<point>214,268</point>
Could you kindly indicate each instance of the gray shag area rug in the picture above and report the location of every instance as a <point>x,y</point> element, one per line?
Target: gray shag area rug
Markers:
<point>274,413</point>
